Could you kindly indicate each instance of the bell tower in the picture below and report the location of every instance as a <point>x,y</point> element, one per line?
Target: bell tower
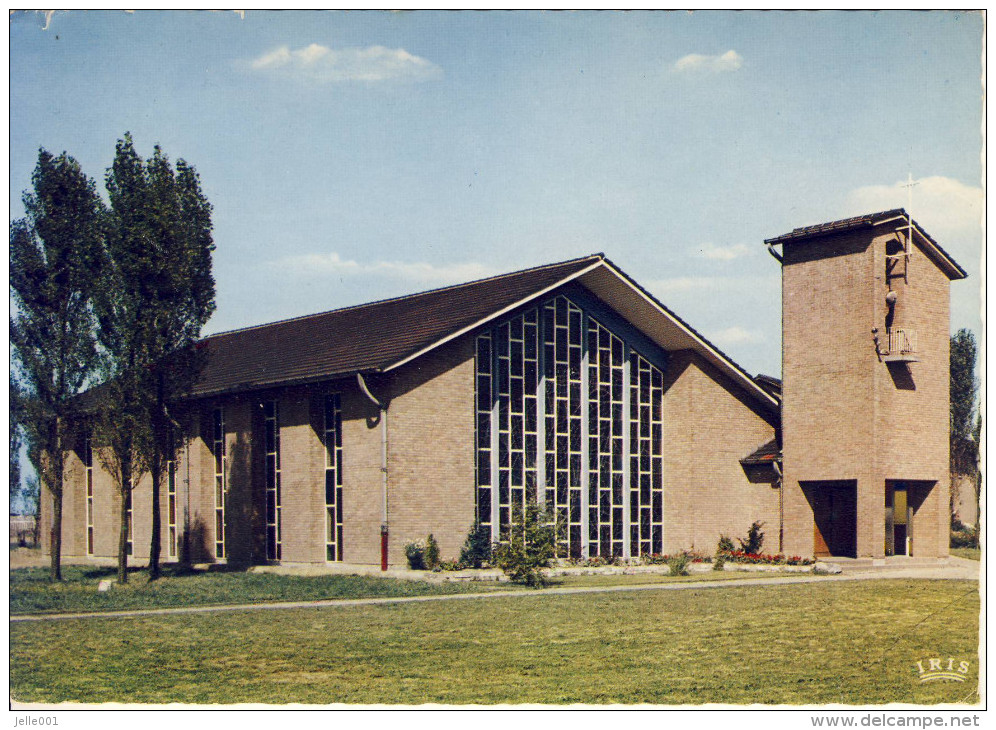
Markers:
<point>865,370</point>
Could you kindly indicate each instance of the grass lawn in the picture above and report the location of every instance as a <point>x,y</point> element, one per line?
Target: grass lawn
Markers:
<point>970,553</point>
<point>854,642</point>
<point>31,591</point>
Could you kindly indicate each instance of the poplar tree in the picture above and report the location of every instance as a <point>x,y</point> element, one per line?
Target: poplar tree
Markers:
<point>157,295</point>
<point>966,423</point>
<point>55,263</point>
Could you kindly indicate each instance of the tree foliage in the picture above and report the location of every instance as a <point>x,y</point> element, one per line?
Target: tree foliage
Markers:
<point>531,545</point>
<point>964,389</point>
<point>157,293</point>
<point>55,263</point>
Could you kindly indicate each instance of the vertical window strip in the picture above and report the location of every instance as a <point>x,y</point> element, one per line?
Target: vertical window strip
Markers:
<point>129,518</point>
<point>605,442</point>
<point>88,476</point>
<point>516,346</point>
<point>171,539</point>
<point>271,437</point>
<point>220,481</point>
<point>333,478</point>
<point>483,429</point>
<point>646,488</point>
<point>562,338</point>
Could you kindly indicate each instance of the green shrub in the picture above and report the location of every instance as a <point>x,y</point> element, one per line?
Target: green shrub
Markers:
<point>964,539</point>
<point>725,545</point>
<point>530,546</point>
<point>415,552</point>
<point>679,563</point>
<point>755,539</point>
<point>476,549</point>
<point>719,561</point>
<point>431,552</point>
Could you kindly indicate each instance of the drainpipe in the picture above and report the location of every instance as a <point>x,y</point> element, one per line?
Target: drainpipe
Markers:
<point>781,506</point>
<point>384,532</point>
<point>771,250</point>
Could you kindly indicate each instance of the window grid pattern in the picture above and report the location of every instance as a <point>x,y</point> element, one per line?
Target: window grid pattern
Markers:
<point>171,535</point>
<point>220,482</point>
<point>88,475</point>
<point>271,438</point>
<point>516,354</point>
<point>483,429</point>
<point>568,414</point>
<point>333,478</point>
<point>562,357</point>
<point>606,520</point>
<point>646,471</point>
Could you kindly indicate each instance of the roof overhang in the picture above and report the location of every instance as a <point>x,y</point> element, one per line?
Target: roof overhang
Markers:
<point>643,311</point>
<point>897,219</point>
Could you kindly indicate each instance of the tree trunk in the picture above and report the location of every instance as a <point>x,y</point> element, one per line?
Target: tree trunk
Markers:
<point>55,572</point>
<point>156,546</point>
<point>159,458</point>
<point>123,534</point>
<point>55,461</point>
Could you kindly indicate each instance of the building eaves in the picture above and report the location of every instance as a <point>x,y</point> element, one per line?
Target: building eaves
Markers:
<point>941,257</point>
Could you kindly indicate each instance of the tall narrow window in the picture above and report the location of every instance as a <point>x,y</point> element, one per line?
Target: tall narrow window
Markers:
<point>646,469</point>
<point>605,442</point>
<point>88,471</point>
<point>171,507</point>
<point>271,430</point>
<point>220,482</point>
<point>484,391</point>
<point>562,338</point>
<point>333,478</point>
<point>130,544</point>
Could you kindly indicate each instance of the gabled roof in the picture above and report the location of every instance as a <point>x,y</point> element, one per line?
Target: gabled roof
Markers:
<point>384,335</point>
<point>369,337</point>
<point>897,215</point>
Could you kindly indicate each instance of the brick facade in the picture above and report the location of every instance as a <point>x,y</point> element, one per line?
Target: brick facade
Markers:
<point>850,425</point>
<point>847,414</point>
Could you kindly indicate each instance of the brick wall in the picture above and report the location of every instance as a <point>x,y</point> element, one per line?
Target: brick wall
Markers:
<point>846,415</point>
<point>708,428</point>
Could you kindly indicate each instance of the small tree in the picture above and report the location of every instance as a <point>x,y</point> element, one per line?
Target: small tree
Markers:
<point>530,547</point>
<point>55,263</point>
<point>477,547</point>
<point>755,539</point>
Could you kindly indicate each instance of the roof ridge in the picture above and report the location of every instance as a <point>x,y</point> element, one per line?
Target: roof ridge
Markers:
<point>225,333</point>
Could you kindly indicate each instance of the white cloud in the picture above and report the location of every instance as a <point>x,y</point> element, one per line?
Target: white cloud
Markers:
<point>723,253</point>
<point>326,65</point>
<point>332,264</point>
<point>729,61</point>
<point>946,208</point>
<point>734,336</point>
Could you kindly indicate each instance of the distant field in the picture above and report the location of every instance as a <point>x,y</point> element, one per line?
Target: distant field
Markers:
<point>854,642</point>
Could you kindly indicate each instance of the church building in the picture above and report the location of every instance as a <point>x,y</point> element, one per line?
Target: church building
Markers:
<point>339,437</point>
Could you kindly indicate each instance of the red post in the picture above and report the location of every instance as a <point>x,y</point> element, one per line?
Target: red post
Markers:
<point>383,547</point>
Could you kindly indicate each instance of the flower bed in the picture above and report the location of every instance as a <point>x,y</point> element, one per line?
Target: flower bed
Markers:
<point>739,556</point>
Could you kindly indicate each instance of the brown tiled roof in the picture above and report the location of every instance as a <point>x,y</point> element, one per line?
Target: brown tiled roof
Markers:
<point>766,454</point>
<point>934,250</point>
<point>368,337</point>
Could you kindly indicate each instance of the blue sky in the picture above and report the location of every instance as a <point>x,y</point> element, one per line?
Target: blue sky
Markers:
<point>352,156</point>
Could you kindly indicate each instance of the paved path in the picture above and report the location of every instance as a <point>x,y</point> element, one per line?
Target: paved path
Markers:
<point>960,570</point>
